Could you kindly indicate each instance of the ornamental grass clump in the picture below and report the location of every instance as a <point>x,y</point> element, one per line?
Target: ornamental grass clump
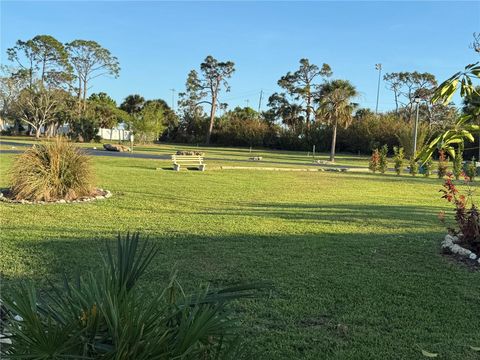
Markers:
<point>52,171</point>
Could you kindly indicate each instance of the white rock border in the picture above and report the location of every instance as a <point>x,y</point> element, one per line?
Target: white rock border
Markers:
<point>450,244</point>
<point>105,194</point>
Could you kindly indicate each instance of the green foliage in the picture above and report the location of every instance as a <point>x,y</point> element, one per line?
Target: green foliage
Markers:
<point>44,58</point>
<point>84,129</point>
<point>383,160</point>
<point>427,168</point>
<point>471,170</point>
<point>405,137</point>
<point>413,166</point>
<point>442,164</point>
<point>374,164</point>
<point>52,171</point>
<point>205,89</point>
<point>458,161</point>
<point>398,159</point>
<point>103,314</point>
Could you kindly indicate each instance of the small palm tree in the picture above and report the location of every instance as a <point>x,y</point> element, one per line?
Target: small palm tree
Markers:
<point>336,106</point>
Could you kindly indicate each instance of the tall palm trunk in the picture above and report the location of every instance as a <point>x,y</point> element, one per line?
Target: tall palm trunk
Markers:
<point>334,142</point>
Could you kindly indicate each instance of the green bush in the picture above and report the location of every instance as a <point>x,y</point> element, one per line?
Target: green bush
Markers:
<point>471,170</point>
<point>103,315</point>
<point>442,164</point>
<point>374,164</point>
<point>427,168</point>
<point>52,171</point>
<point>398,159</point>
<point>413,166</point>
<point>383,160</point>
<point>458,162</point>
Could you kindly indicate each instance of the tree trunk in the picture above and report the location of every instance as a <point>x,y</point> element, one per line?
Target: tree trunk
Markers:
<point>212,119</point>
<point>84,96</point>
<point>38,131</point>
<point>334,142</point>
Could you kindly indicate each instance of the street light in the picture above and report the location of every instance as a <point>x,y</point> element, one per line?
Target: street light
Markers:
<point>379,68</point>
<point>417,101</point>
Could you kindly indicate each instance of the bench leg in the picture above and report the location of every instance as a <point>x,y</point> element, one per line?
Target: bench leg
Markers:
<point>201,167</point>
<point>176,167</point>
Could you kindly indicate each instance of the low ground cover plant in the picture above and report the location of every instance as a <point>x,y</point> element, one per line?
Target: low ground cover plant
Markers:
<point>51,171</point>
<point>103,315</point>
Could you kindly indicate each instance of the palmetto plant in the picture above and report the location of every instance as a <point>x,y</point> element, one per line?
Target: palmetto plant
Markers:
<point>103,315</point>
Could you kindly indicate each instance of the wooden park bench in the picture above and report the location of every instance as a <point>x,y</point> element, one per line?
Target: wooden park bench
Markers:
<point>188,160</point>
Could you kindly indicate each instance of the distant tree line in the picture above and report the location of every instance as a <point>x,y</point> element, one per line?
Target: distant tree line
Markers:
<point>46,85</point>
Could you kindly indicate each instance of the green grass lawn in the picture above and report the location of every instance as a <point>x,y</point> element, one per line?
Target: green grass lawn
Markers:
<point>354,259</point>
<point>275,158</point>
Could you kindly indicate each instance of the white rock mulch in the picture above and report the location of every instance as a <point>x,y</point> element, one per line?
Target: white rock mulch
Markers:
<point>450,243</point>
<point>100,194</point>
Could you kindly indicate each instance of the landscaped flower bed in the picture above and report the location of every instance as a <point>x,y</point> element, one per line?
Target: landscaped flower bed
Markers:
<point>463,240</point>
<point>98,194</point>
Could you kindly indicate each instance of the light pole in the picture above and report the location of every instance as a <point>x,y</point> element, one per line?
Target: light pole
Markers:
<point>173,99</point>
<point>379,68</point>
<point>415,129</point>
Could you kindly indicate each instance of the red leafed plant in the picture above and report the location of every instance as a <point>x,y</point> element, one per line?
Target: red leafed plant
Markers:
<point>467,214</point>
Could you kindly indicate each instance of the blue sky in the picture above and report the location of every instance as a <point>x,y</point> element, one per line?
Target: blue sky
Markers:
<point>158,43</point>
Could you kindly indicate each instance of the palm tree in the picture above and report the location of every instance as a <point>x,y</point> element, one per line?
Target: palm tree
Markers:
<point>336,106</point>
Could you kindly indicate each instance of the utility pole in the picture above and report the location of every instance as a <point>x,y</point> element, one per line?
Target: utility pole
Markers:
<point>260,101</point>
<point>247,102</point>
<point>173,99</point>
<point>379,68</point>
<point>415,129</point>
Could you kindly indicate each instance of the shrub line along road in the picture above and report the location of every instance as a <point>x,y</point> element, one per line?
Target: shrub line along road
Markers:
<point>168,157</point>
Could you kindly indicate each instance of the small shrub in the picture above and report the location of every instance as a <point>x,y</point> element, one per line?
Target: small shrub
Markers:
<point>105,315</point>
<point>398,159</point>
<point>52,171</point>
<point>374,164</point>
<point>383,160</point>
<point>442,164</point>
<point>427,168</point>
<point>413,166</point>
<point>471,170</point>
<point>458,162</point>
<point>467,214</point>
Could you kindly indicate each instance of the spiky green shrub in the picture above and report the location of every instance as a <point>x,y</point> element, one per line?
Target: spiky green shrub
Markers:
<point>104,315</point>
<point>52,171</point>
<point>398,159</point>
<point>383,159</point>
